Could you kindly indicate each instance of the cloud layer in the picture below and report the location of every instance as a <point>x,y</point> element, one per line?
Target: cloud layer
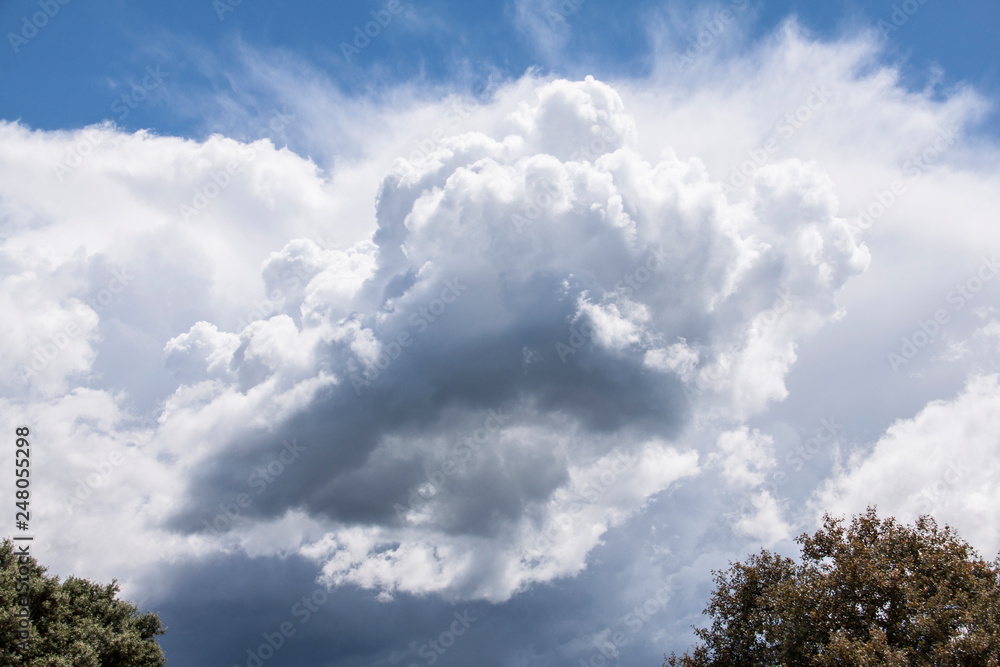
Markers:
<point>463,360</point>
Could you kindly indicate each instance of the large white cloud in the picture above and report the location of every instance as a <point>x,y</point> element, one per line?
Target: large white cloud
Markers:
<point>535,246</point>
<point>559,307</point>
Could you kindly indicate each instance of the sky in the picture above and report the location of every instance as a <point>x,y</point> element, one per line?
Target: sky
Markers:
<point>415,333</point>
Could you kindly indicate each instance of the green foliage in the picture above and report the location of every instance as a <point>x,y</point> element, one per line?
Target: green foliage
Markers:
<point>873,593</point>
<point>75,623</point>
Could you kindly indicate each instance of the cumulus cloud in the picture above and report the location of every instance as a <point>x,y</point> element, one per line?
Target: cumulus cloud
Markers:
<point>554,313</point>
<point>943,462</point>
<point>626,283</point>
<point>745,456</point>
<point>767,522</point>
<point>203,352</point>
<point>538,239</point>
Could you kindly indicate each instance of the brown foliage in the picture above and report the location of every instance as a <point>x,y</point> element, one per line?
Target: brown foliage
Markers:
<point>872,593</point>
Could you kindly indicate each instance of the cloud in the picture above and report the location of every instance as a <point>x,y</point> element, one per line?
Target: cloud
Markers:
<point>494,351</point>
<point>943,462</point>
<point>745,456</point>
<point>533,244</point>
<point>545,23</point>
<point>552,241</point>
<point>767,522</point>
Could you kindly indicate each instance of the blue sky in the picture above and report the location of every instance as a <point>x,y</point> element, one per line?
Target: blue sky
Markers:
<point>87,52</point>
<point>487,343</point>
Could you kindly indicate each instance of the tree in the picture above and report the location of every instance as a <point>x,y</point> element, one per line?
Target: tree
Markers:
<point>75,623</point>
<point>873,593</point>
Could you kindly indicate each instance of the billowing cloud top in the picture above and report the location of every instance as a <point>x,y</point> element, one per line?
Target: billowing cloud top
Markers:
<point>467,401</point>
<point>507,369</point>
